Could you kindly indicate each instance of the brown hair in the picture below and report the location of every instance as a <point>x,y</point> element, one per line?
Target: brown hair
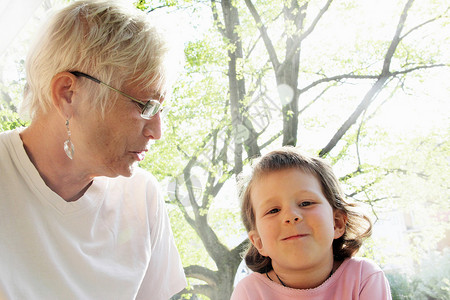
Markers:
<point>358,226</point>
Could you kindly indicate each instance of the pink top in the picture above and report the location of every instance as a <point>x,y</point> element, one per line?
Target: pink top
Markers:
<point>356,278</point>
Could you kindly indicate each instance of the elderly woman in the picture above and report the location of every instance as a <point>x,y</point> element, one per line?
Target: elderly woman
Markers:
<point>78,218</point>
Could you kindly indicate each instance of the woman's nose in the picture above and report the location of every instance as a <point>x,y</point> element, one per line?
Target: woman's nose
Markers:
<point>152,129</point>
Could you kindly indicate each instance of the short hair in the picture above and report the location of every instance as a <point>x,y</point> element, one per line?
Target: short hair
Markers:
<point>358,226</point>
<point>104,39</point>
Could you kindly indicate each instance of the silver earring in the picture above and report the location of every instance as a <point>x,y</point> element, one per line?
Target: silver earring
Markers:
<point>68,146</point>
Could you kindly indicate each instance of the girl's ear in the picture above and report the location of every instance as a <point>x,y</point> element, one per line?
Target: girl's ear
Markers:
<point>255,239</point>
<point>340,222</point>
<point>62,87</point>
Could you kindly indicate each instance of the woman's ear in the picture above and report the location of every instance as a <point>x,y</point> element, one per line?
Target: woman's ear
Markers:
<point>62,89</point>
<point>255,239</point>
<point>340,222</point>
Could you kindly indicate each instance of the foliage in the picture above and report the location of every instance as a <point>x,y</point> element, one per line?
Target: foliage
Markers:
<point>355,64</point>
<point>10,120</point>
<point>431,280</point>
<point>149,6</point>
<point>356,74</point>
<point>228,110</point>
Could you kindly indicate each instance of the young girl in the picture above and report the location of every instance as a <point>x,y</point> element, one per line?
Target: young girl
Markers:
<point>303,234</point>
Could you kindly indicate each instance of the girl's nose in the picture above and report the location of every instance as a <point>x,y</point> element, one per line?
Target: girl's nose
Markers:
<point>293,216</point>
<point>292,220</point>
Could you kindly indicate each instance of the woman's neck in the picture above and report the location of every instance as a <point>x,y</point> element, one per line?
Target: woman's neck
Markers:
<point>43,146</point>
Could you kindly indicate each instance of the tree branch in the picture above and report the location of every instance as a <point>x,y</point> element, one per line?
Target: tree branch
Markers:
<point>417,68</point>
<point>188,183</point>
<point>315,99</point>
<point>368,98</point>
<point>202,273</point>
<point>304,35</point>
<point>316,20</point>
<point>423,24</point>
<point>396,39</point>
<point>239,249</point>
<point>263,30</point>
<point>219,24</point>
<point>200,224</point>
<point>376,88</point>
<point>196,289</point>
<point>336,78</point>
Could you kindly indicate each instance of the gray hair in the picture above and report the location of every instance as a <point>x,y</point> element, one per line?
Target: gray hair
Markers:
<point>104,39</point>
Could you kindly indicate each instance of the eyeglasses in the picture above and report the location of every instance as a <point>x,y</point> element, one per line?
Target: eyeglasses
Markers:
<point>148,109</point>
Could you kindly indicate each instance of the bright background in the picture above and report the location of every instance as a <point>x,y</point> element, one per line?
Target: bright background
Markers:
<point>404,136</point>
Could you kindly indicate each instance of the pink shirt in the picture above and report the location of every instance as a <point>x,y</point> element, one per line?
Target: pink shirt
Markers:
<point>356,278</point>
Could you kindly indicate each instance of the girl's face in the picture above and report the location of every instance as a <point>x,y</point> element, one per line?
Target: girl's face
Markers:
<point>295,224</point>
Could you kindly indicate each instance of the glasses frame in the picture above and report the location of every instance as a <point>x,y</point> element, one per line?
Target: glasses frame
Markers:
<point>143,105</point>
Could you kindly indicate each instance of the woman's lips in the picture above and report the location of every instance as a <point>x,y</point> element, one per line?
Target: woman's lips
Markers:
<point>140,155</point>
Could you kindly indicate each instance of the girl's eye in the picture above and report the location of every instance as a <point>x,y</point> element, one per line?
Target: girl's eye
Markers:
<point>273,211</point>
<point>305,203</point>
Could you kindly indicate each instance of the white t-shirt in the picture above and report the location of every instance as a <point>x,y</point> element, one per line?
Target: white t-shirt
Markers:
<point>115,242</point>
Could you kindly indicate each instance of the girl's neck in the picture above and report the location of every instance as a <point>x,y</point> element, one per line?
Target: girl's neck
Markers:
<point>303,279</point>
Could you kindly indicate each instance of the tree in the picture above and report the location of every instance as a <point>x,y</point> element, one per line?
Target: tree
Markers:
<point>253,82</point>
<point>228,90</point>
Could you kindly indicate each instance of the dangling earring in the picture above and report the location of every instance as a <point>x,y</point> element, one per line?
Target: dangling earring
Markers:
<point>68,146</point>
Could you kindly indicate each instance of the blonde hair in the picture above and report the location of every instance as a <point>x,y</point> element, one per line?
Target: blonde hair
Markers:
<point>104,39</point>
<point>358,226</point>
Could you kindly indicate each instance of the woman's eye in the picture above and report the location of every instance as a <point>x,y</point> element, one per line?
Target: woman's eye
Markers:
<point>140,105</point>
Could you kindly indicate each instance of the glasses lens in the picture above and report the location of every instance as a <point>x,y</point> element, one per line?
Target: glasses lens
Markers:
<point>151,108</point>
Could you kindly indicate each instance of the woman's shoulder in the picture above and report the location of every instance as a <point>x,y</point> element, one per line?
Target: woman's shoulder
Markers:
<point>141,186</point>
<point>11,137</point>
<point>142,174</point>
